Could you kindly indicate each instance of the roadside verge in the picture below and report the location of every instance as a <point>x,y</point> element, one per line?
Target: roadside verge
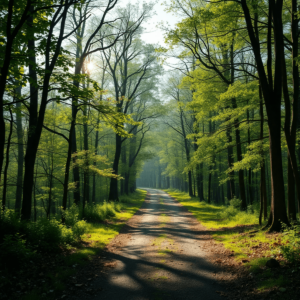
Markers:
<point>246,250</point>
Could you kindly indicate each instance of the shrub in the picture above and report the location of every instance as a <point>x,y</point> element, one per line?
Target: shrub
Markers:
<point>94,213</point>
<point>45,234</point>
<point>9,223</point>
<point>291,251</point>
<point>71,215</point>
<point>14,251</point>
<point>232,210</point>
<point>109,209</point>
<point>232,213</point>
<point>79,229</point>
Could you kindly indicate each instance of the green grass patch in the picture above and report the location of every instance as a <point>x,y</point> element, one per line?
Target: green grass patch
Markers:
<point>255,265</point>
<point>98,235</point>
<point>247,245</point>
<point>234,229</point>
<point>271,282</point>
<point>214,216</point>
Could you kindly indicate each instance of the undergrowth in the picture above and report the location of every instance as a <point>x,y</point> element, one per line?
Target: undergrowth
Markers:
<point>20,240</point>
<point>234,229</point>
<point>23,245</point>
<point>239,232</point>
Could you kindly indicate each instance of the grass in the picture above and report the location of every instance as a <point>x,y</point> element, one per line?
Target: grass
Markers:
<point>271,282</point>
<point>255,265</point>
<point>98,235</point>
<point>234,229</point>
<point>210,215</point>
<point>164,219</point>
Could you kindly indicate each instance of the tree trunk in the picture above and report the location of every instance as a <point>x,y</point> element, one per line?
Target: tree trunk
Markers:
<point>96,152</point>
<point>242,191</point>
<point>230,165</point>
<point>76,176</point>
<point>20,154</point>
<point>209,185</point>
<point>113,191</point>
<point>7,160</point>
<point>86,193</point>
<point>67,170</point>
<point>272,92</point>
<point>33,122</point>
<point>291,208</point>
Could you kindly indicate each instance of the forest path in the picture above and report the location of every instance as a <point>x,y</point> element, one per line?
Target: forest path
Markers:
<point>159,257</point>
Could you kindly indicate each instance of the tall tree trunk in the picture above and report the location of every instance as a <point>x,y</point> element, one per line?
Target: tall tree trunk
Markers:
<point>187,152</point>
<point>36,121</point>
<point>159,176</point>
<point>96,152</point>
<point>30,155</point>
<point>263,188</point>
<point>125,182</point>
<point>291,122</point>
<point>113,191</point>
<point>291,208</point>
<point>272,92</point>
<point>76,176</point>
<point>250,170</point>
<point>20,153</point>
<point>67,170</point>
<point>7,160</point>
<point>209,185</point>
<point>230,165</point>
<point>86,194</point>
<point>34,196</point>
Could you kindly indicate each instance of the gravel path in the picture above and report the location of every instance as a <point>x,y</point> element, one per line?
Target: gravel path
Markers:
<point>162,257</point>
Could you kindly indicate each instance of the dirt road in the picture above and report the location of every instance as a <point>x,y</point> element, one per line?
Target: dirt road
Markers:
<point>159,257</point>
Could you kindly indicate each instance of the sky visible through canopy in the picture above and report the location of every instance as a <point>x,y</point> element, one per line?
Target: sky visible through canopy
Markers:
<point>152,34</point>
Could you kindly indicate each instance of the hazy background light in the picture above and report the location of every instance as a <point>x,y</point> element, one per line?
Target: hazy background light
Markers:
<point>152,34</point>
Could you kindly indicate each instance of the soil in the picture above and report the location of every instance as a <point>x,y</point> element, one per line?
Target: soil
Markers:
<point>163,252</point>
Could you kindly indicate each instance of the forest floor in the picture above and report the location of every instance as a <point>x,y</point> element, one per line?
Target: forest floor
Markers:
<point>164,252</point>
<point>243,251</point>
<point>46,275</point>
<point>161,253</point>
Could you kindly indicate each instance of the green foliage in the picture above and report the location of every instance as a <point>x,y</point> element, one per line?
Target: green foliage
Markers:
<point>272,282</point>
<point>291,251</point>
<point>99,212</point>
<point>14,251</point>
<point>9,222</point>
<point>233,213</point>
<point>71,215</point>
<point>255,265</point>
<point>79,229</point>
<point>216,216</point>
<point>44,234</point>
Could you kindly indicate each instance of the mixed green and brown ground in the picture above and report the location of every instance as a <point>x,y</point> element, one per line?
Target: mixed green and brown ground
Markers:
<point>241,247</point>
<point>46,274</point>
